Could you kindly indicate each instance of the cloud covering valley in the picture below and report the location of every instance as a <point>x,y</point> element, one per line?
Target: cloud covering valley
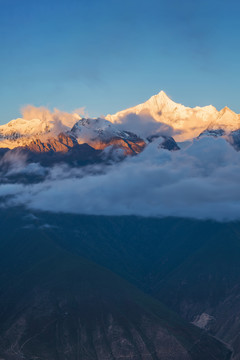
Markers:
<point>199,181</point>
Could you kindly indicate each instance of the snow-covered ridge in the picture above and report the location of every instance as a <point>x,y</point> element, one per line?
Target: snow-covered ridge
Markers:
<point>21,131</point>
<point>185,123</point>
<point>90,130</point>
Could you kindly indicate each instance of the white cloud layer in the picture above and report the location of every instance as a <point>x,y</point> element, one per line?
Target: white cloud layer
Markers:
<point>200,181</point>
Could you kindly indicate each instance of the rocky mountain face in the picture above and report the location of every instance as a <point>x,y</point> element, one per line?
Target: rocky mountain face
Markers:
<point>232,137</point>
<point>191,266</point>
<point>164,142</point>
<point>89,140</point>
<point>62,143</point>
<point>57,305</point>
<point>100,133</point>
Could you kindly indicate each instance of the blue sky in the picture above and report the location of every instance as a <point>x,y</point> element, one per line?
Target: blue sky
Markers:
<point>111,54</point>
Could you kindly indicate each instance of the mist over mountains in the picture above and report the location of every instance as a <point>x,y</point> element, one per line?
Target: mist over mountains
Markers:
<point>119,203</point>
<point>130,163</point>
<point>120,234</point>
<point>200,181</point>
<point>159,114</point>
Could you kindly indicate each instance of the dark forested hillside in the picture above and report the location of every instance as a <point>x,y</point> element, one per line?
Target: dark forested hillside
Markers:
<point>56,305</point>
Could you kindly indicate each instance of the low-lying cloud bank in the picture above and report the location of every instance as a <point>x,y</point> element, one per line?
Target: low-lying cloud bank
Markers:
<point>200,181</point>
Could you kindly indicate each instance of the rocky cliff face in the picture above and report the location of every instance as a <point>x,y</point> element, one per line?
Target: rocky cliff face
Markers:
<point>62,143</point>
<point>96,139</point>
<point>191,266</point>
<point>100,133</point>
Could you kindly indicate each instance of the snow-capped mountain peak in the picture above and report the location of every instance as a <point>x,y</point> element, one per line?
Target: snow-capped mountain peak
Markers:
<point>91,129</point>
<point>161,100</point>
<point>227,120</point>
<point>180,122</point>
<point>153,106</point>
<point>37,123</point>
<point>186,122</point>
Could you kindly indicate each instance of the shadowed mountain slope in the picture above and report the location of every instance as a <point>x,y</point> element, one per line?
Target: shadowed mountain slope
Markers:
<point>192,266</point>
<point>56,305</point>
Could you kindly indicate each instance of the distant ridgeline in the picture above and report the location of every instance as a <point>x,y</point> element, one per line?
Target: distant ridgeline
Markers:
<point>127,132</point>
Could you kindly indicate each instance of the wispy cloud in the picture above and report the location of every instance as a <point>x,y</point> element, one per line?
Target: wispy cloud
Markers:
<point>144,125</point>
<point>56,117</point>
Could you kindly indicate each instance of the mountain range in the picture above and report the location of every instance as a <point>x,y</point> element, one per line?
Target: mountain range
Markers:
<point>128,131</point>
<point>149,287</point>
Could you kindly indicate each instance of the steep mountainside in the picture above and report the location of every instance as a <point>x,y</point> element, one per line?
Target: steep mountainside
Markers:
<point>98,133</point>
<point>192,266</point>
<point>56,305</point>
